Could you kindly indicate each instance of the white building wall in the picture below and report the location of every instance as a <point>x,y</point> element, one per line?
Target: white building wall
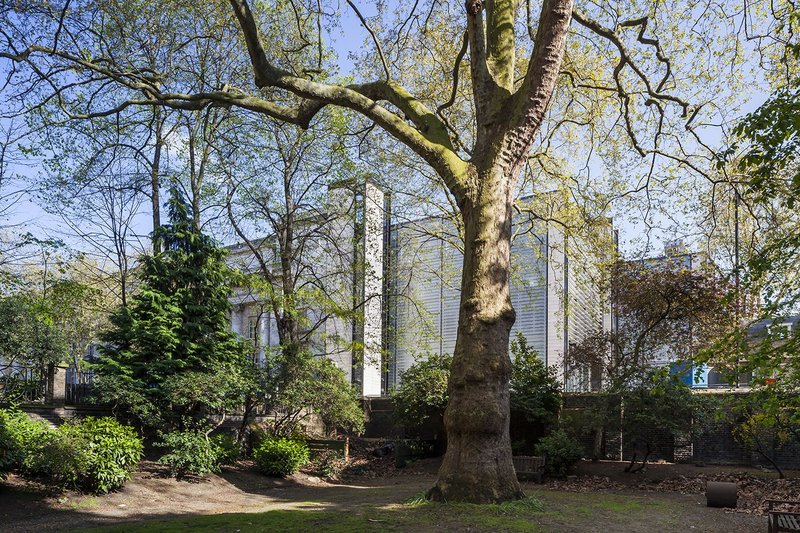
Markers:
<point>427,280</point>
<point>337,261</point>
<point>557,264</point>
<point>555,300</point>
<point>372,334</point>
<point>345,262</point>
<point>418,300</point>
<point>529,288</point>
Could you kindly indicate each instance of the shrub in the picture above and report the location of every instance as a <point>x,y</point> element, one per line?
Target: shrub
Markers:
<point>407,451</point>
<point>63,456</point>
<point>259,432</point>
<point>94,454</point>
<point>20,436</point>
<point>535,390</point>
<point>111,452</point>
<point>422,395</point>
<point>97,455</point>
<point>660,405</point>
<point>227,448</point>
<point>420,400</point>
<point>562,451</point>
<point>302,386</point>
<point>190,452</point>
<point>280,457</point>
<point>327,464</point>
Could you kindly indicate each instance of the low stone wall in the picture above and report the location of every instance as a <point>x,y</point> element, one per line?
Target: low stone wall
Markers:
<point>58,414</point>
<point>711,441</point>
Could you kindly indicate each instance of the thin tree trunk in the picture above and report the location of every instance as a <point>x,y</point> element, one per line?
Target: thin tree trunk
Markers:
<point>758,449</point>
<point>477,466</point>
<point>597,451</point>
<point>155,179</point>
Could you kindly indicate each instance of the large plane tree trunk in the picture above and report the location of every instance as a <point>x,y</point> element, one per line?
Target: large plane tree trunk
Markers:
<point>477,466</point>
<point>508,112</point>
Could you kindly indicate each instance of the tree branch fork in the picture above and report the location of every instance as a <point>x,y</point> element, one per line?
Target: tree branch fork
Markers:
<point>503,111</point>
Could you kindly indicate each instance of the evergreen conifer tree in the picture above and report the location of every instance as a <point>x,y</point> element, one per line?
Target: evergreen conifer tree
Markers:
<point>175,331</point>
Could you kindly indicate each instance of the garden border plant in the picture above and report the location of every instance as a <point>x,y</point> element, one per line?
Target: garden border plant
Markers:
<point>92,454</point>
<point>281,457</point>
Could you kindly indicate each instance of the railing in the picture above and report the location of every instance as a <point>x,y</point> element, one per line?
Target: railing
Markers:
<point>23,385</point>
<point>79,387</point>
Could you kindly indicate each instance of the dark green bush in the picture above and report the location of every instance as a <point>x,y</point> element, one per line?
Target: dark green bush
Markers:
<point>94,454</point>
<point>534,389</point>
<point>61,455</point>
<point>189,452</point>
<point>280,457</point>
<point>561,450</point>
<point>20,436</point>
<point>421,398</point>
<point>109,455</point>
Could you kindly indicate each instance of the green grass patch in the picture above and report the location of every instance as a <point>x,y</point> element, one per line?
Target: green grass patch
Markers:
<point>417,514</point>
<point>84,503</point>
<point>546,511</point>
<point>283,520</point>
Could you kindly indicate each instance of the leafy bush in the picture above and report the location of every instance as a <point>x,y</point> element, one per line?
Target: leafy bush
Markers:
<point>280,457</point>
<point>111,452</point>
<point>535,389</point>
<point>227,448</point>
<point>422,395</point>
<point>190,452</point>
<point>19,437</point>
<point>61,455</point>
<point>301,386</point>
<point>660,405</point>
<point>407,451</point>
<point>95,454</point>
<point>562,451</point>
<point>327,464</point>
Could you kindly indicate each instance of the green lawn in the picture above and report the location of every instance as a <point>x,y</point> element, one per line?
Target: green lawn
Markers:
<point>547,511</point>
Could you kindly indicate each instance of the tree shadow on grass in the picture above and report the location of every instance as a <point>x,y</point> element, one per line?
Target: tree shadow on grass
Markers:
<point>29,506</point>
<point>374,505</point>
<point>300,487</point>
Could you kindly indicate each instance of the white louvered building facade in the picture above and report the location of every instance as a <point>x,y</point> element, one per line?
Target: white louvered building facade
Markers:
<point>555,293</point>
<point>403,280</point>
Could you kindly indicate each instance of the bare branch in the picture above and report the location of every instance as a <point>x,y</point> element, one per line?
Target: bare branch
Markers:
<point>625,58</point>
<point>374,39</point>
<point>456,69</point>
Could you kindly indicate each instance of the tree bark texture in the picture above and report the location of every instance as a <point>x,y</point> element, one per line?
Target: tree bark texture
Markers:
<point>477,466</point>
<point>155,177</point>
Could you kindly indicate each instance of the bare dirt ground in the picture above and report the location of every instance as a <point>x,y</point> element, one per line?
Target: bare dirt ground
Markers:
<point>675,493</point>
<point>31,507</point>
